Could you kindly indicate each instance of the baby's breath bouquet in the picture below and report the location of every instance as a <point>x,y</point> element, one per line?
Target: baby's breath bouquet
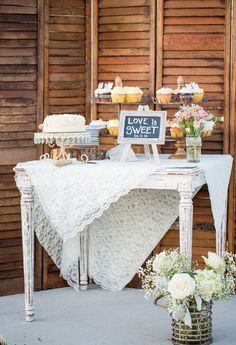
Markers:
<point>169,275</point>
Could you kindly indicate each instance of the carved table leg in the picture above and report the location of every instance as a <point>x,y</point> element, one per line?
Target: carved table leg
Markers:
<point>28,249</point>
<point>186,223</point>
<point>221,235</point>
<point>83,260</point>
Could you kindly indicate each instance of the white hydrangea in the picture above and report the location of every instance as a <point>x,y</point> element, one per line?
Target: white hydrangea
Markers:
<point>161,282</point>
<point>167,263</point>
<point>209,284</point>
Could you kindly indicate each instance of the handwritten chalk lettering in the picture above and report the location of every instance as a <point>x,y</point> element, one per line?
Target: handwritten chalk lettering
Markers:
<point>142,127</point>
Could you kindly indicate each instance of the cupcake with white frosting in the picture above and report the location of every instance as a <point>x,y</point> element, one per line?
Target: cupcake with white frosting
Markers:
<point>105,95</point>
<point>113,127</point>
<point>133,94</point>
<point>97,94</point>
<point>103,92</point>
<point>164,95</point>
<point>176,131</point>
<point>198,92</point>
<point>118,94</point>
<point>186,94</point>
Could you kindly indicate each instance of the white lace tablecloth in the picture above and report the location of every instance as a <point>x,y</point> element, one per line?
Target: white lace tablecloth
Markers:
<point>124,223</point>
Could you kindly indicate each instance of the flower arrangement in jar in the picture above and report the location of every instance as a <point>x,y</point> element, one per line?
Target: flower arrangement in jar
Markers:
<point>195,123</point>
<point>189,293</point>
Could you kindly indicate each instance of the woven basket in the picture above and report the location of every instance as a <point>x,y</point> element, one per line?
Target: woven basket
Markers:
<point>201,330</point>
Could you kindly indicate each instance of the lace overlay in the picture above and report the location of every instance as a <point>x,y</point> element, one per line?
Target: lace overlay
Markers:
<point>121,240</point>
<point>70,198</point>
<point>124,224</point>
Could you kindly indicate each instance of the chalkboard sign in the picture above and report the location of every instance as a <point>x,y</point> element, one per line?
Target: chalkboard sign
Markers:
<point>142,127</point>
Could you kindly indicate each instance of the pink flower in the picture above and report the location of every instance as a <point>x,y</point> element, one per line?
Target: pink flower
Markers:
<point>202,113</point>
<point>199,108</point>
<point>197,123</point>
<point>185,115</point>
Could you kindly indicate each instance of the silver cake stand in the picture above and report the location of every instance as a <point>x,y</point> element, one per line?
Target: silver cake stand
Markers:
<point>63,140</point>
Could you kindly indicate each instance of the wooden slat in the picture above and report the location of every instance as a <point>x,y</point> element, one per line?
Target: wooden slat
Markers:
<point>18,9</point>
<point>122,3</point>
<point>18,18</point>
<point>194,4</point>
<point>123,27</point>
<point>198,42</point>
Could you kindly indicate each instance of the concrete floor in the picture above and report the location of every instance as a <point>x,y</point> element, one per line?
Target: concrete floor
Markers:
<point>98,317</point>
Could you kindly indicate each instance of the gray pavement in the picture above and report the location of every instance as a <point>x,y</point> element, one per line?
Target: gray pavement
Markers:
<point>98,317</point>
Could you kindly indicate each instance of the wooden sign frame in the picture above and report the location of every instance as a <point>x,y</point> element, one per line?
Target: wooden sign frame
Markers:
<point>150,113</point>
<point>143,141</point>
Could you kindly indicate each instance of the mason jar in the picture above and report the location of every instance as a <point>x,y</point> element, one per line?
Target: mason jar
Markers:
<point>193,149</point>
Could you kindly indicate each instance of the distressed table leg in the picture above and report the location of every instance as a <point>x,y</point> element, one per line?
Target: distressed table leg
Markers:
<point>186,223</point>
<point>83,260</point>
<point>28,249</point>
<point>221,235</point>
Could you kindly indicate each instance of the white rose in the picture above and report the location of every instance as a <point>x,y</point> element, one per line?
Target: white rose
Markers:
<point>181,286</point>
<point>215,262</point>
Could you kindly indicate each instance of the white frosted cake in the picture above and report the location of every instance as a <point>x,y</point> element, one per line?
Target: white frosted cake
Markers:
<point>64,123</point>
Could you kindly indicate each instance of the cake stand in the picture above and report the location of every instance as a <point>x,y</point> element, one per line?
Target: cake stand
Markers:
<point>64,140</point>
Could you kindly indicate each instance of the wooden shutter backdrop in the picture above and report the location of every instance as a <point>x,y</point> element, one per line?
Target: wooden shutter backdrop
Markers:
<point>53,53</point>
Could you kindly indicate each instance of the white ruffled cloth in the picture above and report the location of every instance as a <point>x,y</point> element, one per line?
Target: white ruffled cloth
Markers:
<point>124,223</point>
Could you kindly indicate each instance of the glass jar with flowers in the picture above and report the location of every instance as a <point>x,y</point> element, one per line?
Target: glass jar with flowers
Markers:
<point>195,122</point>
<point>188,292</point>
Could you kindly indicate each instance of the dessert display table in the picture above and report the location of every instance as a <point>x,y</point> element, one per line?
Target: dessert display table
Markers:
<point>83,200</point>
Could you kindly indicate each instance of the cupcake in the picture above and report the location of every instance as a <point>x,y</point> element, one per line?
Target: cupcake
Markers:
<point>176,131</point>
<point>198,93</point>
<point>118,95</point>
<point>105,95</point>
<point>113,127</point>
<point>185,95</point>
<point>176,95</point>
<point>97,94</point>
<point>133,94</point>
<point>164,95</point>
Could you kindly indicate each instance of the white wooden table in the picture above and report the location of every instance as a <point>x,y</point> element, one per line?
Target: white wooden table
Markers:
<point>186,181</point>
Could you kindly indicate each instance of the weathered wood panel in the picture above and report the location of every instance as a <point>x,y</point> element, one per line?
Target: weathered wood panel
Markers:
<point>125,46</point>
<point>18,120</point>
<point>198,55</point>
<point>65,57</point>
<point>194,45</point>
<point>65,82</point>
